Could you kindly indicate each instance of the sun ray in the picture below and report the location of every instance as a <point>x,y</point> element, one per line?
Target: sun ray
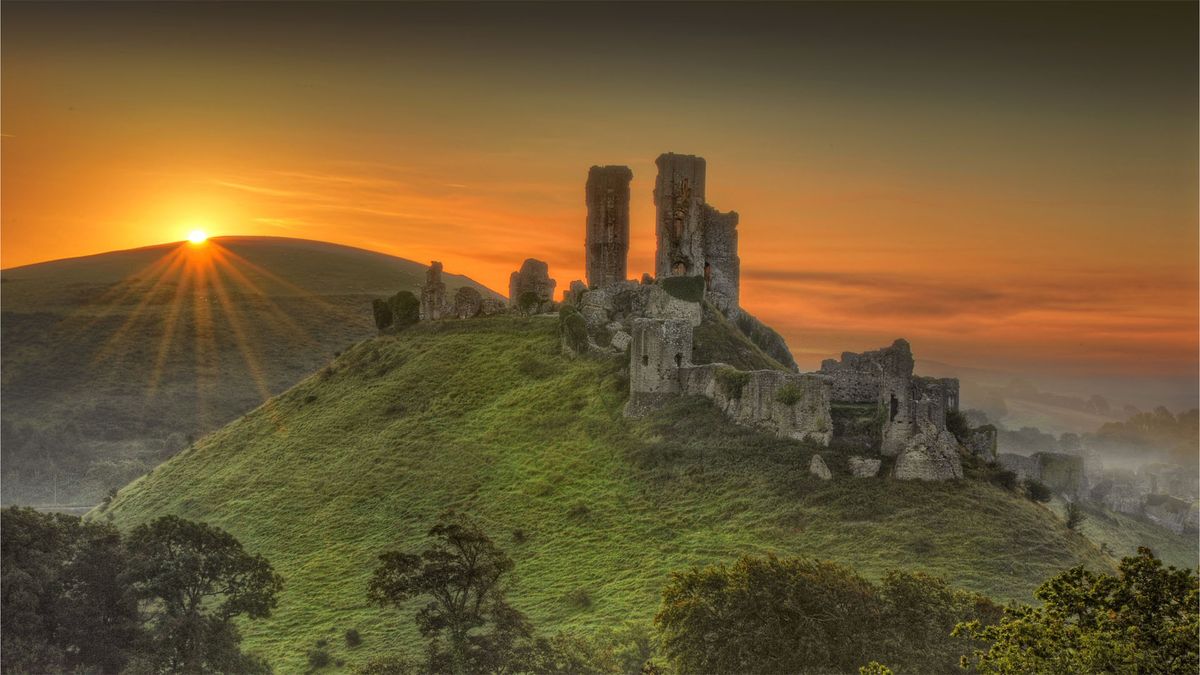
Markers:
<point>205,341</point>
<point>245,346</point>
<point>299,290</point>
<point>119,293</point>
<point>170,325</point>
<point>110,345</point>
<point>223,263</point>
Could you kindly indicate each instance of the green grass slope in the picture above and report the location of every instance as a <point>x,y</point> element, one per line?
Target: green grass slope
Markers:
<point>111,362</point>
<point>485,416</point>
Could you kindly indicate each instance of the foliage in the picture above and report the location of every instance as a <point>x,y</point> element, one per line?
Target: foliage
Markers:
<point>406,309</point>
<point>956,423</point>
<point>353,639</point>
<point>789,394</point>
<point>1143,620</point>
<point>383,313</point>
<point>195,578</point>
<point>65,605</point>
<point>688,289</point>
<point>732,381</point>
<point>573,329</point>
<point>456,420</point>
<point>461,575</point>
<point>785,615</point>
<point>529,302</point>
<point>1037,491</point>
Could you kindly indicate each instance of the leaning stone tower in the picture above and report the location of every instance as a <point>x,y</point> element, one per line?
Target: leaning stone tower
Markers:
<point>607,242</point>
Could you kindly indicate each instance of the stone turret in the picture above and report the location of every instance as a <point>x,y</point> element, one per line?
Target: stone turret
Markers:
<point>607,239</point>
<point>659,349</point>
<point>695,239</point>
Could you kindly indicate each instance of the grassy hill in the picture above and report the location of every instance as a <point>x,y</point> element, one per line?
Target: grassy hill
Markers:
<point>486,416</point>
<point>113,362</point>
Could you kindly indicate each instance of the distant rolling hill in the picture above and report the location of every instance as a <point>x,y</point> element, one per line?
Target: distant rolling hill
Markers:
<point>113,362</point>
<point>487,417</point>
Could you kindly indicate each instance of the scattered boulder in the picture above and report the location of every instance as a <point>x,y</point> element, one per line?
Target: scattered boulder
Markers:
<point>620,341</point>
<point>467,303</point>
<point>818,468</point>
<point>861,467</point>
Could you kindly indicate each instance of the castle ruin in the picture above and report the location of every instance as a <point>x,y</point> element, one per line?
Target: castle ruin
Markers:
<point>607,239</point>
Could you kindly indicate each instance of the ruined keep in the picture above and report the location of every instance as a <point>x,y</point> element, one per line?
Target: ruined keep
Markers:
<point>606,243</point>
<point>694,239</point>
<point>433,294</point>
<point>530,289</point>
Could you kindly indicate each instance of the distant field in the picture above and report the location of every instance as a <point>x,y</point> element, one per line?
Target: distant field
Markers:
<point>486,416</point>
<point>113,362</point>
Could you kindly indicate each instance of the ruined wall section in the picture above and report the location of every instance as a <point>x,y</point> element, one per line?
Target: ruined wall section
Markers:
<point>607,239</point>
<point>722,268</point>
<point>531,289</point>
<point>790,405</point>
<point>659,349</point>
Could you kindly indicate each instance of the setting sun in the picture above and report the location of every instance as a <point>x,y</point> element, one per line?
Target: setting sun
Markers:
<point>197,236</point>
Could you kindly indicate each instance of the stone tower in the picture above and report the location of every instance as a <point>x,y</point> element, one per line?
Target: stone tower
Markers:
<point>694,239</point>
<point>607,243</point>
<point>433,294</point>
<point>659,350</point>
<point>678,197</point>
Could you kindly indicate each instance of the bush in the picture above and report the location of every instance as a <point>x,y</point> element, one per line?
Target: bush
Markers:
<point>580,598</point>
<point>353,639</point>
<point>731,380</point>
<point>383,313</point>
<point>1037,491</point>
<point>956,423</point>
<point>689,289</point>
<point>789,394</point>
<point>1075,516</point>
<point>318,658</point>
<point>406,309</point>
<point>528,302</point>
<point>573,329</point>
<point>519,536</point>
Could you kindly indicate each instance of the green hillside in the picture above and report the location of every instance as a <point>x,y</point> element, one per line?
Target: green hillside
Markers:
<point>113,362</point>
<point>485,416</point>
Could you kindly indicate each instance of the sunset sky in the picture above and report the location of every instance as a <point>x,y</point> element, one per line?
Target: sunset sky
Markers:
<point>1009,186</point>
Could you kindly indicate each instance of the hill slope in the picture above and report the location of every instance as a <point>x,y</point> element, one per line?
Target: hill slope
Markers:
<point>112,362</point>
<point>485,416</point>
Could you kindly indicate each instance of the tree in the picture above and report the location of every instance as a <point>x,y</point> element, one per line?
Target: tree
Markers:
<point>1075,515</point>
<point>65,603</point>
<point>1143,620</point>
<point>196,578</point>
<point>470,625</point>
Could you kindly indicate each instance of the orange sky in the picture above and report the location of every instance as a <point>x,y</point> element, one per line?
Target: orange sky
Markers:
<point>1021,197</point>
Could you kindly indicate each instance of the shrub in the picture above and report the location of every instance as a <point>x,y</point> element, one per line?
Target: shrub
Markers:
<point>353,639</point>
<point>1037,490</point>
<point>579,511</point>
<point>383,313</point>
<point>520,536</point>
<point>789,394</point>
<point>318,658</point>
<point>406,309</point>
<point>528,302</point>
<point>580,598</point>
<point>573,329</point>
<point>689,289</point>
<point>731,380</point>
<point>956,423</point>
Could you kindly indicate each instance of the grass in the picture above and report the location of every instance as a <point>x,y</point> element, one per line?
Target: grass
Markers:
<point>485,416</point>
<point>84,338</point>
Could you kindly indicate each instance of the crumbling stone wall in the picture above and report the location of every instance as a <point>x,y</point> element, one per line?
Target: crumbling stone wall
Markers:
<point>722,267</point>
<point>531,289</point>
<point>659,349</point>
<point>468,303</point>
<point>790,405</point>
<point>433,294</point>
<point>607,239</point>
<point>1060,472</point>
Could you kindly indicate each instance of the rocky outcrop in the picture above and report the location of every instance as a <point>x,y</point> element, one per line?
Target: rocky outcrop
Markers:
<point>765,338</point>
<point>862,467</point>
<point>530,289</point>
<point>818,468</point>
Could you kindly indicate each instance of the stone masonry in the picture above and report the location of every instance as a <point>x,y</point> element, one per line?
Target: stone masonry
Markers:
<point>693,238</point>
<point>433,294</point>
<point>531,289</point>
<point>607,238</point>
